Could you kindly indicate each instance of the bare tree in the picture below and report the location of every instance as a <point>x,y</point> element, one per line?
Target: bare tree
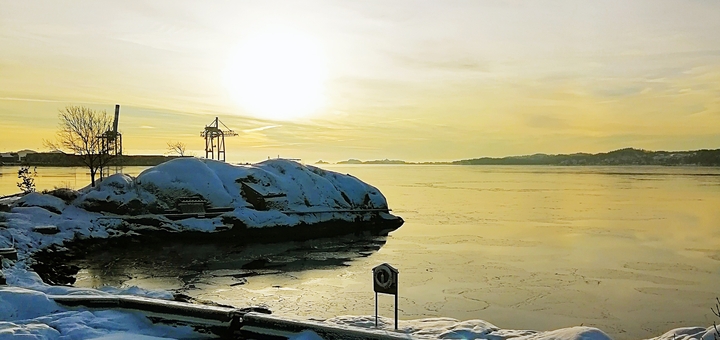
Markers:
<point>177,147</point>
<point>83,132</point>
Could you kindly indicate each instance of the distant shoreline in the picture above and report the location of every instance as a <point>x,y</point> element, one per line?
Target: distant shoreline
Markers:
<point>627,156</point>
<point>69,160</point>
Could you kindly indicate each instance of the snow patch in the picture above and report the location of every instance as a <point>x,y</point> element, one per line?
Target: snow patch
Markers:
<point>31,314</point>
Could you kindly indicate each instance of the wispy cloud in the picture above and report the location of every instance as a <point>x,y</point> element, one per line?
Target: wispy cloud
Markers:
<point>261,128</point>
<point>39,100</point>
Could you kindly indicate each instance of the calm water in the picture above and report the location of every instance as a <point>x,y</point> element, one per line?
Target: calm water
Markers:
<point>54,177</point>
<point>634,251</point>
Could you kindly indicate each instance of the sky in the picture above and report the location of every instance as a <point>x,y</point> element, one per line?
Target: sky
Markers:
<point>413,80</point>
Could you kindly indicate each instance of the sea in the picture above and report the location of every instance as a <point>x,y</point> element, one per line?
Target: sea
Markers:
<point>632,250</point>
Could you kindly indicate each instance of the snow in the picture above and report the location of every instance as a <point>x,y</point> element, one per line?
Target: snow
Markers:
<point>46,202</point>
<point>31,314</point>
<point>448,328</point>
<point>303,188</point>
<point>690,333</point>
<point>185,177</point>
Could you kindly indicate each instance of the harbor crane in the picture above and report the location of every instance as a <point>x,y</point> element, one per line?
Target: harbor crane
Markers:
<point>111,144</point>
<point>215,139</point>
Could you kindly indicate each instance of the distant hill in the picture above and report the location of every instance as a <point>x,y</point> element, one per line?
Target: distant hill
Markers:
<point>381,161</point>
<point>627,156</point>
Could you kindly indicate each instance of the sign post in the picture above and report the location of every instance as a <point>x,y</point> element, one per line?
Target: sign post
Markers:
<point>385,280</point>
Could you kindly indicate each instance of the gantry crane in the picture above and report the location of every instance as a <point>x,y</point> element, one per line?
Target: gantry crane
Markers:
<point>111,146</point>
<point>215,139</point>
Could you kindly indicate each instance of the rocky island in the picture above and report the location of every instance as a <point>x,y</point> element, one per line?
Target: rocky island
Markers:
<point>251,202</point>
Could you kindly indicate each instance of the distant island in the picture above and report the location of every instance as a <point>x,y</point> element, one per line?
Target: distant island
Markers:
<point>627,156</point>
<point>383,161</point>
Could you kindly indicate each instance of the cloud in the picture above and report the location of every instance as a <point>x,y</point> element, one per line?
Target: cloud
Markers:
<point>146,127</point>
<point>39,100</point>
<point>261,128</point>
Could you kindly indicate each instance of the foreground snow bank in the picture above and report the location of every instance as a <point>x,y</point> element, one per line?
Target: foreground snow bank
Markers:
<point>447,328</point>
<point>31,314</point>
<point>29,311</point>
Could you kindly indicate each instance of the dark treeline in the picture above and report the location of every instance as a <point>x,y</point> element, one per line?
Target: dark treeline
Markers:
<point>61,159</point>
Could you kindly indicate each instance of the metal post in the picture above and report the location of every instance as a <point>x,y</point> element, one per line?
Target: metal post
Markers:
<point>396,311</point>
<point>376,311</point>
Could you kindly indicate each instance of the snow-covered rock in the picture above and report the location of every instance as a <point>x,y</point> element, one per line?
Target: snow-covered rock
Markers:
<point>300,188</point>
<point>47,202</point>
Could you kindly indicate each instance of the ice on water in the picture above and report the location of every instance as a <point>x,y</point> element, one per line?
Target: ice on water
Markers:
<point>27,312</point>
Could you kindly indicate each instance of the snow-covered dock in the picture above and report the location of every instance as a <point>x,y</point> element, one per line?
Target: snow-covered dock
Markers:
<point>223,321</point>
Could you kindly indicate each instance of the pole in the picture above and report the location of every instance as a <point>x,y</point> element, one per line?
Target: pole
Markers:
<point>396,311</point>
<point>376,318</point>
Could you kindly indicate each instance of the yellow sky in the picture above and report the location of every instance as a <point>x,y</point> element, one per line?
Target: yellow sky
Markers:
<point>413,80</point>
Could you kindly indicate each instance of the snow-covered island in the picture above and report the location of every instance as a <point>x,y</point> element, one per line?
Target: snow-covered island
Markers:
<point>272,200</point>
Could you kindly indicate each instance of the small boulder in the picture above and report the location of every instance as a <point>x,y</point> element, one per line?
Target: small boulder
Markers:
<point>65,194</point>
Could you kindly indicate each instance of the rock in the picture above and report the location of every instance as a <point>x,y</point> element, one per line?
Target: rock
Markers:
<point>46,229</point>
<point>65,194</point>
<point>96,205</point>
<point>240,281</point>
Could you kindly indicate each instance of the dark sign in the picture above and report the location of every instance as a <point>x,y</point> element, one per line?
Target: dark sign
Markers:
<point>385,279</point>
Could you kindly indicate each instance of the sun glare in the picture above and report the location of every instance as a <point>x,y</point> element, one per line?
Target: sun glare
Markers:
<point>278,75</point>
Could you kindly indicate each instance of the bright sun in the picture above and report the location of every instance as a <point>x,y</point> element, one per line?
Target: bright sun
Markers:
<point>278,75</point>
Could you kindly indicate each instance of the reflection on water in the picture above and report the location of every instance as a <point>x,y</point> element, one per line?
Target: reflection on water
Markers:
<point>634,251</point>
<point>180,265</point>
